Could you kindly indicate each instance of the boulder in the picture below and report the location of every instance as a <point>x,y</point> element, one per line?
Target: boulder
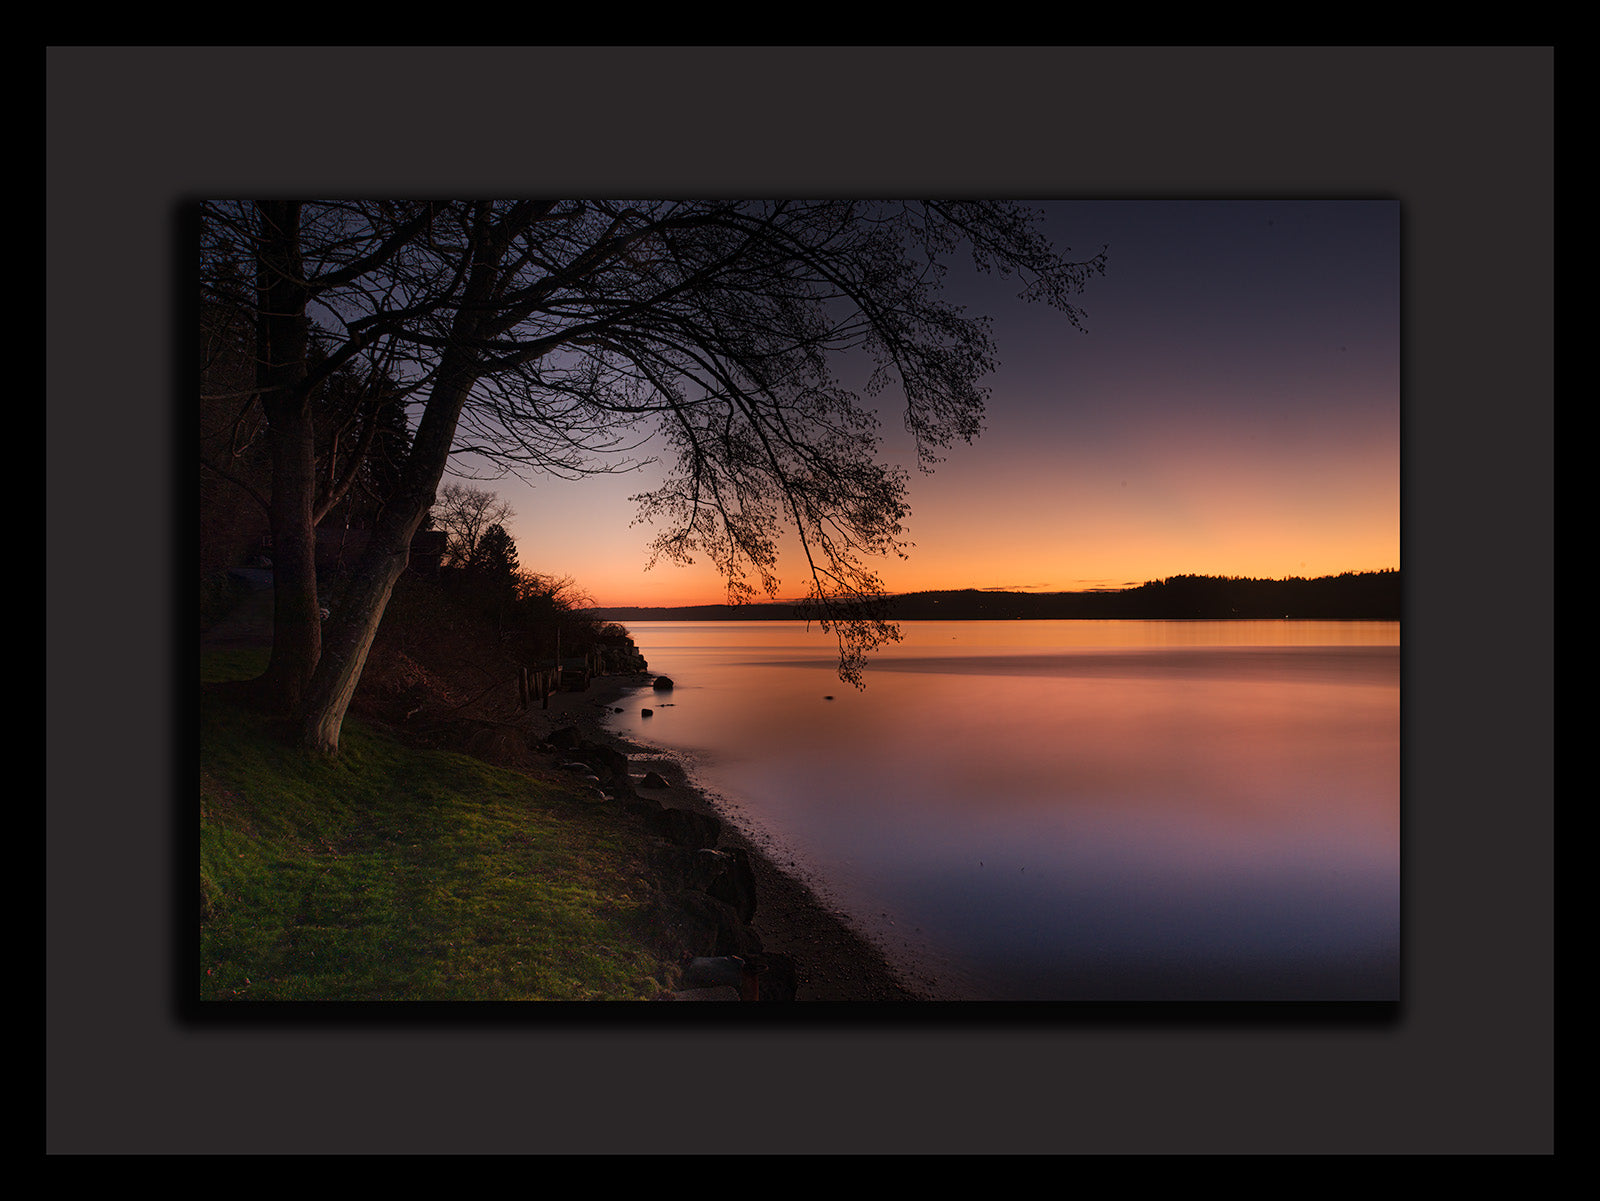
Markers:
<point>723,874</point>
<point>646,806</point>
<point>606,760</point>
<point>735,882</point>
<point>690,829</point>
<point>703,926</point>
<point>759,976</point>
<point>711,971</point>
<point>775,975</point>
<point>662,684</point>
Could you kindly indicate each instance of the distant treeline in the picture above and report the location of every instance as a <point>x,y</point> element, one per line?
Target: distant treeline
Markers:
<point>1367,594</point>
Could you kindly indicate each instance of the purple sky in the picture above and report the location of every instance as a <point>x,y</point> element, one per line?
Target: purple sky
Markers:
<point>1232,409</point>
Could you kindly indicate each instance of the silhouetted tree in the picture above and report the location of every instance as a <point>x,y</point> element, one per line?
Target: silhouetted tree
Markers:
<point>274,263</point>
<point>496,556</point>
<point>556,336</point>
<point>465,514</point>
<point>546,604</point>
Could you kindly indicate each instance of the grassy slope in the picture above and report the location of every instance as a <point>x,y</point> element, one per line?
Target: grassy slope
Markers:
<point>392,873</point>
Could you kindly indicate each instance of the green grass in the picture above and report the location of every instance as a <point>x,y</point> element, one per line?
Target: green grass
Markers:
<point>393,874</point>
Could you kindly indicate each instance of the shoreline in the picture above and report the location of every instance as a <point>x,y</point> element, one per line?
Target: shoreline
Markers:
<point>833,962</point>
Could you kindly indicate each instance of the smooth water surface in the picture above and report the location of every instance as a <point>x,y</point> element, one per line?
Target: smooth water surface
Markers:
<point>1068,810</point>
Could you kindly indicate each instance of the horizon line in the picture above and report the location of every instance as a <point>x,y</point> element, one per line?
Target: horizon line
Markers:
<point>1109,589</point>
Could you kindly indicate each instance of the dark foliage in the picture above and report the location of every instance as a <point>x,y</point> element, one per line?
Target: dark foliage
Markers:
<point>561,335</point>
<point>1370,595</point>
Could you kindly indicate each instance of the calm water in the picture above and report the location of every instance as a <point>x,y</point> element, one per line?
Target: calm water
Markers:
<point>1068,810</point>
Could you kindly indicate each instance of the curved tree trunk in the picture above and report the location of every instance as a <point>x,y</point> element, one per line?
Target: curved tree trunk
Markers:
<point>366,595</point>
<point>344,651</point>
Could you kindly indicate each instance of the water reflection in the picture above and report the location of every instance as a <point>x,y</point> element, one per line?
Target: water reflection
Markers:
<point>1072,810</point>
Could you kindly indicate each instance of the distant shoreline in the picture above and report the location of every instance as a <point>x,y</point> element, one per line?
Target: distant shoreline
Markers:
<point>1353,596</point>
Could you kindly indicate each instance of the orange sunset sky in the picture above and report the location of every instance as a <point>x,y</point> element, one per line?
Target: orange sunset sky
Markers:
<point>1233,409</point>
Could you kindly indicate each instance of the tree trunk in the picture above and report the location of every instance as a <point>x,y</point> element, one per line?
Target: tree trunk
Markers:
<point>344,652</point>
<point>282,338</point>
<point>296,616</point>
<point>366,595</point>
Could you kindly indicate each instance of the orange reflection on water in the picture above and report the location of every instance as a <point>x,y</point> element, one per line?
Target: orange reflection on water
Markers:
<point>1228,792</point>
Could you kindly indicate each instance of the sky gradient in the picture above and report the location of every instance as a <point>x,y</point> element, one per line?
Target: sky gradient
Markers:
<point>1233,408</point>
